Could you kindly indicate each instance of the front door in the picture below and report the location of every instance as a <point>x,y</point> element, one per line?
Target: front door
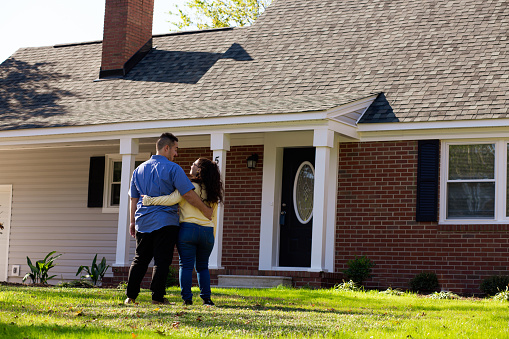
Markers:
<point>5,221</point>
<point>296,220</point>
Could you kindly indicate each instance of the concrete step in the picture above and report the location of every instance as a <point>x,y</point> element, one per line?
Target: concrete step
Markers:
<point>252,281</point>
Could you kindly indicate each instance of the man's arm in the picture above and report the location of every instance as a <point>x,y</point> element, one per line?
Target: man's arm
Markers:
<point>132,210</point>
<point>195,200</point>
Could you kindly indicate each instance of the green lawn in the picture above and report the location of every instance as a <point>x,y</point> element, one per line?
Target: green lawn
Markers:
<point>54,312</point>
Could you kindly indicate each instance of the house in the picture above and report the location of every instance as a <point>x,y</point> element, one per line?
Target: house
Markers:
<point>380,129</point>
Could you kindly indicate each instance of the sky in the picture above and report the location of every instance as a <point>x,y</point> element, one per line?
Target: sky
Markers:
<point>33,23</point>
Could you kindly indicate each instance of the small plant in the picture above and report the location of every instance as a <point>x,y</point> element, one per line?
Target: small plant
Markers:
<point>444,295</point>
<point>359,269</point>
<point>494,284</point>
<point>425,282</point>
<point>39,271</point>
<point>348,286</point>
<point>502,295</point>
<point>391,291</point>
<point>95,272</point>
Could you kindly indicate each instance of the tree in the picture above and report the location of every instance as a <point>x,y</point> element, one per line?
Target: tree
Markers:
<point>205,14</point>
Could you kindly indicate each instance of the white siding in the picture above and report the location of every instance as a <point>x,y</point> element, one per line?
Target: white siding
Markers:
<point>50,213</point>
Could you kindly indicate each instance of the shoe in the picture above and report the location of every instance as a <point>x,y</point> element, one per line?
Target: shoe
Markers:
<point>208,302</point>
<point>130,301</point>
<point>159,302</point>
<point>187,303</point>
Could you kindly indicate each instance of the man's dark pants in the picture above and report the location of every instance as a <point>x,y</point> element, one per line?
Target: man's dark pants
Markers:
<point>159,245</point>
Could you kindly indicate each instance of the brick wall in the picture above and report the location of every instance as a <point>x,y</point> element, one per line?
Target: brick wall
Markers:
<point>376,218</point>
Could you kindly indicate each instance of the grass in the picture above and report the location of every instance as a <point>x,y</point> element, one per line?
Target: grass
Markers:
<point>55,312</point>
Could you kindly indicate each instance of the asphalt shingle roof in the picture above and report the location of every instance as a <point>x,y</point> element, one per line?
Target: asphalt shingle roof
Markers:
<point>433,60</point>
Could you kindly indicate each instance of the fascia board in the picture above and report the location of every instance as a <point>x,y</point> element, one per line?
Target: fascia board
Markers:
<point>465,129</point>
<point>251,124</point>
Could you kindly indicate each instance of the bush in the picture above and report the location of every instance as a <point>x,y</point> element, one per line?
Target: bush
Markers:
<point>173,277</point>
<point>359,269</point>
<point>425,282</point>
<point>494,284</point>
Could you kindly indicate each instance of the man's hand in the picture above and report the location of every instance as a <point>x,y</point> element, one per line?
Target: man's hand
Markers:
<point>132,229</point>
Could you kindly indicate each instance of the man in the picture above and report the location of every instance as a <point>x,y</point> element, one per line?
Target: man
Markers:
<point>156,228</point>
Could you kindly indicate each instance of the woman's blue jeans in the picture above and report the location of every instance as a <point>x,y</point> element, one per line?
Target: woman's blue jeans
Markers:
<point>194,245</point>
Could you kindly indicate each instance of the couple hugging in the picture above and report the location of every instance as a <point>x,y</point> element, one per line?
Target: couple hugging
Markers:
<point>168,209</point>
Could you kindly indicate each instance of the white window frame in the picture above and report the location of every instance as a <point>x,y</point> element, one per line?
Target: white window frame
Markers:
<point>500,177</point>
<point>108,179</point>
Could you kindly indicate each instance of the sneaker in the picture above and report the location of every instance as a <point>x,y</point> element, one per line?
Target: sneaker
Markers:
<point>187,303</point>
<point>160,302</point>
<point>208,302</point>
<point>130,301</point>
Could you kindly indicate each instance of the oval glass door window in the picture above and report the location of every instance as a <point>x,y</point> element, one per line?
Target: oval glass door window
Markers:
<point>303,189</point>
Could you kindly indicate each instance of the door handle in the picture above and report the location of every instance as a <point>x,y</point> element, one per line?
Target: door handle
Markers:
<point>282,218</point>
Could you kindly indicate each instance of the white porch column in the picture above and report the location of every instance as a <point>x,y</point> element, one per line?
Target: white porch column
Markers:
<point>323,140</point>
<point>332,206</point>
<point>128,149</point>
<point>220,145</point>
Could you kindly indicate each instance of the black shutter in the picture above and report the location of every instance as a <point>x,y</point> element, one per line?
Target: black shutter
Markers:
<point>427,180</point>
<point>96,182</point>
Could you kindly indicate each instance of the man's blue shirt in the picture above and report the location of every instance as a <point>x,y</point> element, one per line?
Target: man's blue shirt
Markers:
<point>155,177</point>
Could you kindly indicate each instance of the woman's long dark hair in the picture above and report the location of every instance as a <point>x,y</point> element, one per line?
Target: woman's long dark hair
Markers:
<point>210,177</point>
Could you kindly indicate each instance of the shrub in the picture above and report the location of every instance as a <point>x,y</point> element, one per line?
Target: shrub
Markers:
<point>95,272</point>
<point>173,277</point>
<point>425,282</point>
<point>359,269</point>
<point>39,271</point>
<point>494,284</point>
<point>77,283</point>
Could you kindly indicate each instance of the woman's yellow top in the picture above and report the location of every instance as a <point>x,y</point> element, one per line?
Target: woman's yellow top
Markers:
<point>187,212</point>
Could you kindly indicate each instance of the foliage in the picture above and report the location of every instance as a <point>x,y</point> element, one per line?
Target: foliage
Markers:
<point>425,282</point>
<point>494,284</point>
<point>443,295</point>
<point>359,269</point>
<point>391,291</point>
<point>502,295</point>
<point>206,14</point>
<point>95,272</point>
<point>75,313</point>
<point>348,286</point>
<point>39,271</point>
<point>173,277</point>
<point>76,283</point>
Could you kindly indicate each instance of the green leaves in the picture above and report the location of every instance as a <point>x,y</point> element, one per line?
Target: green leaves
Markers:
<point>95,272</point>
<point>39,271</point>
<point>205,14</point>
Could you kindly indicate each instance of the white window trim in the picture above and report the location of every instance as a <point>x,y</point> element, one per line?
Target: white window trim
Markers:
<point>108,178</point>
<point>500,182</point>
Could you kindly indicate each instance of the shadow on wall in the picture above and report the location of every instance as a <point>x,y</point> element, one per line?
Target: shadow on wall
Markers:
<point>182,67</point>
<point>26,93</point>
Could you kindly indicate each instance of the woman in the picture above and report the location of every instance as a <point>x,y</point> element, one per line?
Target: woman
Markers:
<point>196,235</point>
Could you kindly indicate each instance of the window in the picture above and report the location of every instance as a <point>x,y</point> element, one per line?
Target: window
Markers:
<point>113,176</point>
<point>474,182</point>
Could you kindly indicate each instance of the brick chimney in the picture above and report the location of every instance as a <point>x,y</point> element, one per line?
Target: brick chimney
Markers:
<point>127,35</point>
